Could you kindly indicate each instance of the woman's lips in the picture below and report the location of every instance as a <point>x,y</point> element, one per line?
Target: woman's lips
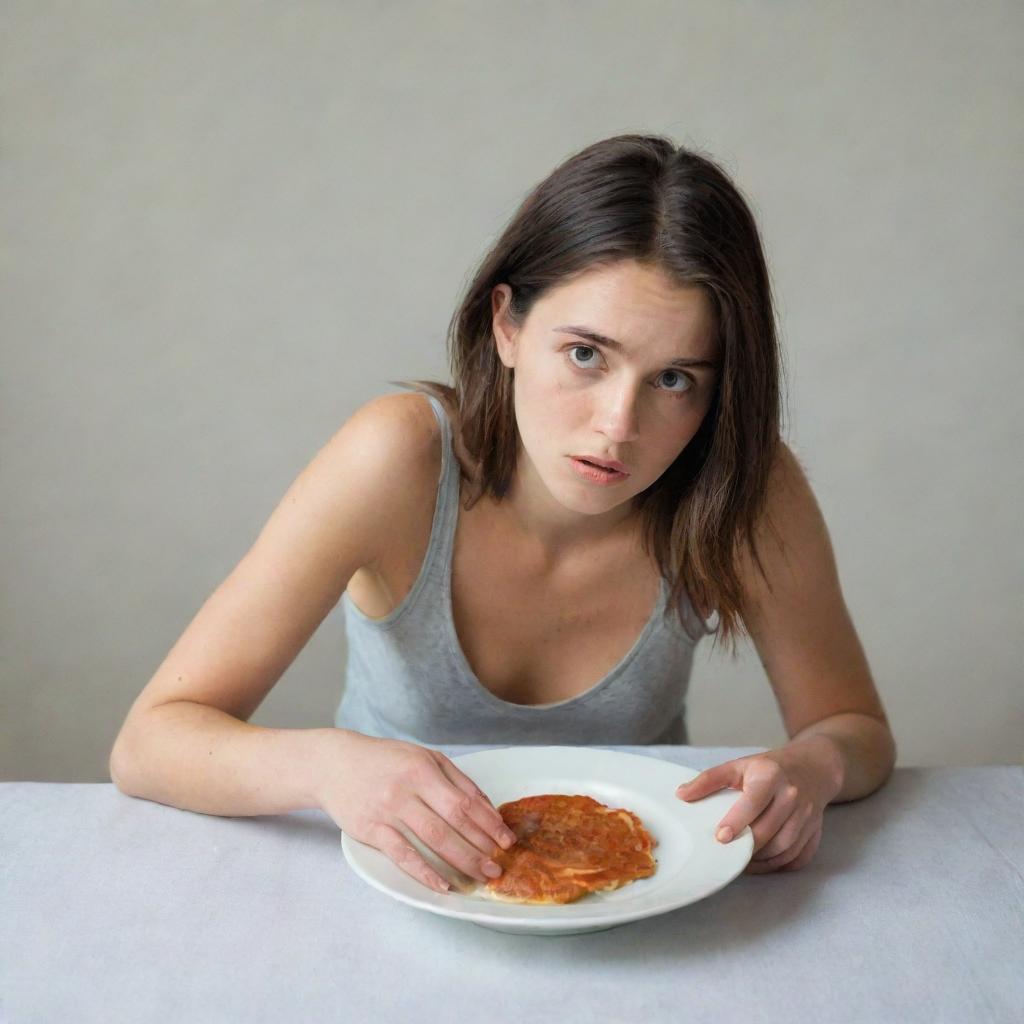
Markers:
<point>595,474</point>
<point>596,460</point>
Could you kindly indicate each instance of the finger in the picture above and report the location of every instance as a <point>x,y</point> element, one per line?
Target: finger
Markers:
<point>781,824</point>
<point>786,857</point>
<point>780,862</point>
<point>758,792</point>
<point>456,808</point>
<point>466,784</point>
<point>721,776</point>
<point>395,846</point>
<point>806,855</point>
<point>481,811</point>
<point>436,834</point>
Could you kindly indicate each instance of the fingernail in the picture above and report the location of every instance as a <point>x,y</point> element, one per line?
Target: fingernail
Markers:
<point>724,834</point>
<point>510,838</point>
<point>491,869</point>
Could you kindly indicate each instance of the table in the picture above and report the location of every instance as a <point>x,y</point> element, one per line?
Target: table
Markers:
<point>119,909</point>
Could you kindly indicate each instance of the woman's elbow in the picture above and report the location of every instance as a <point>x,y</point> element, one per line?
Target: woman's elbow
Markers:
<point>118,765</point>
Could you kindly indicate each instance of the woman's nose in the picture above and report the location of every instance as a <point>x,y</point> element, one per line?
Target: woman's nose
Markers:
<point>619,416</point>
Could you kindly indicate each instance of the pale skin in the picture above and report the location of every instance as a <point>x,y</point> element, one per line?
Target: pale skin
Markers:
<point>187,741</point>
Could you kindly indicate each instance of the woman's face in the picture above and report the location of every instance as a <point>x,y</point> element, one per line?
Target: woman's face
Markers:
<point>618,364</point>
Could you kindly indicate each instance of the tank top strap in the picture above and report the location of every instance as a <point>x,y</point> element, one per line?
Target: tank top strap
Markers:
<point>446,506</point>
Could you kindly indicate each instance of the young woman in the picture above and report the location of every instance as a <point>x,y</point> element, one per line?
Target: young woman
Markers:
<point>532,555</point>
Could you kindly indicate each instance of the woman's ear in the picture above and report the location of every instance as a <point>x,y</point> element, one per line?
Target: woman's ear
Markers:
<point>502,324</point>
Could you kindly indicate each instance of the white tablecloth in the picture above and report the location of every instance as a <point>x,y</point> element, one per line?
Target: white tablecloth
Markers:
<point>118,909</point>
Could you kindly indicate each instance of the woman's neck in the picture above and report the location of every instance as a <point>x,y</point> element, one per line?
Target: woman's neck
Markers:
<point>554,534</point>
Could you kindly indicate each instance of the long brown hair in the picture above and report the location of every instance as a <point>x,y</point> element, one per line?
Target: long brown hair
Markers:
<point>640,197</point>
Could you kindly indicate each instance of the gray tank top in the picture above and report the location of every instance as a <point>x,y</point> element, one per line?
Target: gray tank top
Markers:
<point>407,677</point>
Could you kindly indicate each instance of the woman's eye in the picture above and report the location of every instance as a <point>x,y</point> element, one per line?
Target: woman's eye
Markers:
<point>584,348</point>
<point>681,379</point>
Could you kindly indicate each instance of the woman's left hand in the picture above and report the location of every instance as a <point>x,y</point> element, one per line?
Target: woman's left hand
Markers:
<point>785,793</point>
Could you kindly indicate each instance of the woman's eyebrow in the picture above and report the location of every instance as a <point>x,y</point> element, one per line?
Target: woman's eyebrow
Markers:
<point>590,335</point>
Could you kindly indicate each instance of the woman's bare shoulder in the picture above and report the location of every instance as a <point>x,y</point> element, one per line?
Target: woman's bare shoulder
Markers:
<point>405,437</point>
<point>409,418</point>
<point>407,414</point>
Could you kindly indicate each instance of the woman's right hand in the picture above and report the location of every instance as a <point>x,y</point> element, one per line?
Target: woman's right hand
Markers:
<point>372,786</point>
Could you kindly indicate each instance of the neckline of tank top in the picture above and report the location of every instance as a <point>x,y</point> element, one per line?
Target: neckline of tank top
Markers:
<point>469,676</point>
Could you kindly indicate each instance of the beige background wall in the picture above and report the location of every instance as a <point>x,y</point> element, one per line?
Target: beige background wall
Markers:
<point>225,226</point>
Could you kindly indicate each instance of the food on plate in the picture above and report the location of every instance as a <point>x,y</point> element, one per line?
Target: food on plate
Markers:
<point>567,847</point>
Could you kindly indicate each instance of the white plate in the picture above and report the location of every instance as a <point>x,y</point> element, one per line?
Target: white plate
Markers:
<point>692,864</point>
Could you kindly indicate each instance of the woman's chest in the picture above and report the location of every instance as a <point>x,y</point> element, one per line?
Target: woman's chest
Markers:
<point>536,639</point>
<point>530,635</point>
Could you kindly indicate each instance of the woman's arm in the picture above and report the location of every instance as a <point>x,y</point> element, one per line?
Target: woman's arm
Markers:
<point>806,640</point>
<point>186,740</point>
<point>841,746</point>
<point>858,753</point>
<point>200,758</point>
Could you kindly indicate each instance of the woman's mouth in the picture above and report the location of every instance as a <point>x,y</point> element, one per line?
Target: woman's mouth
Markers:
<point>596,474</point>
